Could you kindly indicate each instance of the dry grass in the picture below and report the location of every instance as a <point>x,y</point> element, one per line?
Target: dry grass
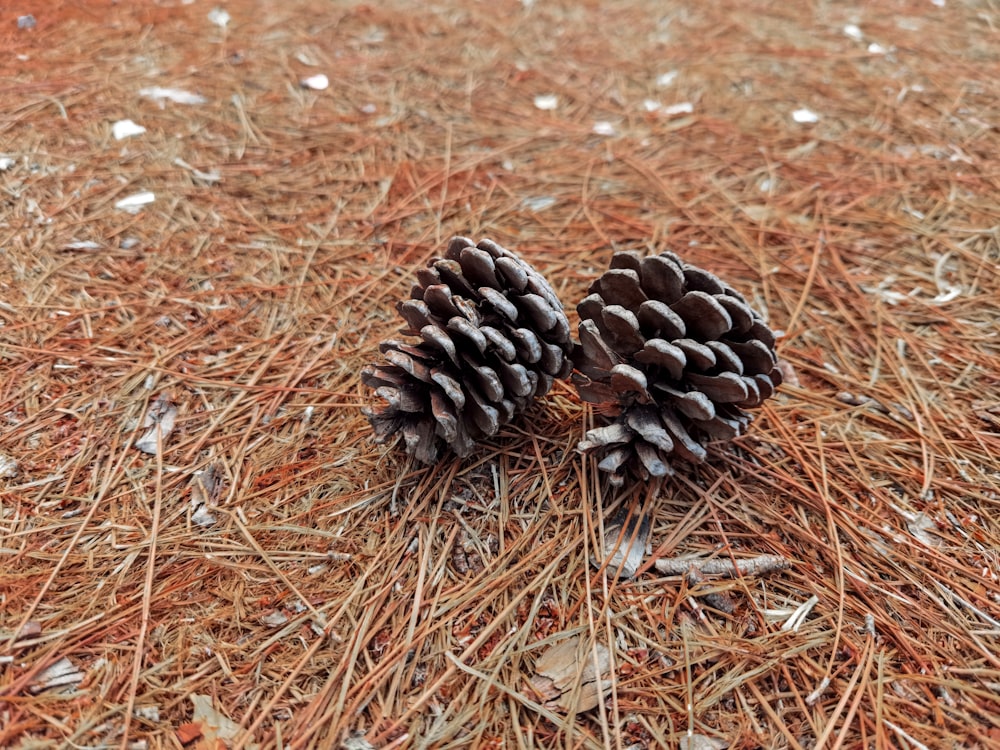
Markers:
<point>337,592</point>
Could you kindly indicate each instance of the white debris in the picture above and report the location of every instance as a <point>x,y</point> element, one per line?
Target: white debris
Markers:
<point>159,423</point>
<point>539,203</point>
<point>876,49</point>
<point>681,108</point>
<point>212,176</point>
<point>149,713</point>
<point>62,674</point>
<point>6,163</point>
<point>818,692</point>
<point>920,526</point>
<point>82,245</point>
<point>805,116</point>
<point>603,127</point>
<point>8,467</point>
<point>318,82</point>
<point>134,203</point>
<point>201,515</point>
<point>946,290</point>
<point>793,617</point>
<point>546,101</point>
<point>851,30</point>
<point>126,129</point>
<point>274,619</point>
<point>219,17</point>
<point>178,96</point>
<point>651,105</point>
<point>666,79</point>
<point>701,742</point>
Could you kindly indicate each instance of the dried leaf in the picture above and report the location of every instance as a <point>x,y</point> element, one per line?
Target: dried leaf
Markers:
<point>187,733</point>
<point>624,545</point>
<point>160,418</point>
<point>274,619</point>
<point>566,678</point>
<point>215,726</point>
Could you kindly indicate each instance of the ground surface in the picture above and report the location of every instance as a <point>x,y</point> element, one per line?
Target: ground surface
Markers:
<point>262,576</point>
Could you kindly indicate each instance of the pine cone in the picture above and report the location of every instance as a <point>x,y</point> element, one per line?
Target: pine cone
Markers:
<point>674,356</point>
<point>492,337</point>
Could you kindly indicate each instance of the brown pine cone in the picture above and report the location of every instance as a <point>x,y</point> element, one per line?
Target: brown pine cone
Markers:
<point>492,336</point>
<point>674,356</point>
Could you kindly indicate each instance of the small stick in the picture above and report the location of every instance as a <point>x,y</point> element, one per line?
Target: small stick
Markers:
<point>675,566</point>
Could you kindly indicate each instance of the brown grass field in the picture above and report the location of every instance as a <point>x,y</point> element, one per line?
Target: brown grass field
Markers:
<point>262,575</point>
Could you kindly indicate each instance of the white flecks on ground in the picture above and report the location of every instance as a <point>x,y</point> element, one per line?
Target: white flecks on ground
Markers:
<point>919,525</point>
<point>126,129</point>
<point>877,49</point>
<point>82,245</point>
<point>8,467</point>
<point>947,291</point>
<point>318,82</point>
<point>219,17</point>
<point>938,3</point>
<point>178,96</point>
<point>159,423</point>
<point>702,742</point>
<point>854,32</point>
<point>6,162</point>
<point>651,105</point>
<point>134,203</point>
<point>805,116</point>
<point>62,674</point>
<point>307,57</point>
<point>201,515</point>
<point>681,108</point>
<point>603,127</point>
<point>546,102</point>
<point>26,22</point>
<point>666,79</point>
<point>539,203</point>
<point>212,176</point>
<point>793,617</point>
<point>274,619</point>
<point>206,488</point>
<point>794,622</point>
<point>149,713</point>
<point>373,36</point>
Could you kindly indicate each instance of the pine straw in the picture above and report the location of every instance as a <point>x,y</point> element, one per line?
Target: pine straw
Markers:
<point>342,593</point>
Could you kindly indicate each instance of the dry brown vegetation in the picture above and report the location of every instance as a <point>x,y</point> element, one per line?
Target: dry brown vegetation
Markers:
<point>314,589</point>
